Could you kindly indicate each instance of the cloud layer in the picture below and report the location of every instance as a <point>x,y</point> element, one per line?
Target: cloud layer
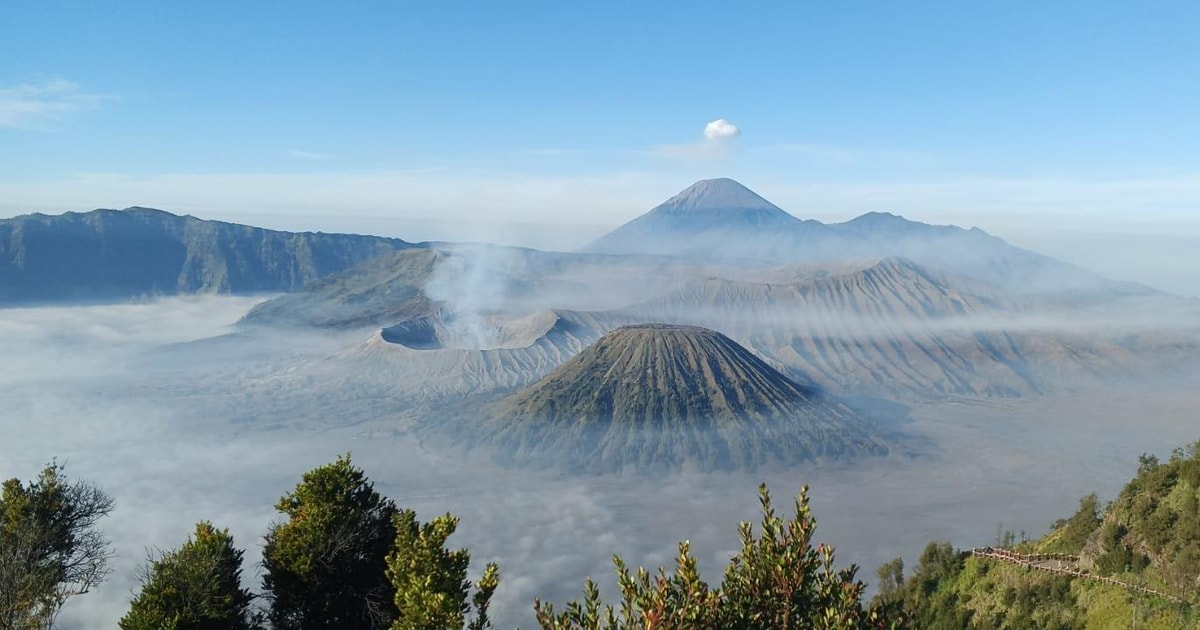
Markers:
<point>36,104</point>
<point>179,429</point>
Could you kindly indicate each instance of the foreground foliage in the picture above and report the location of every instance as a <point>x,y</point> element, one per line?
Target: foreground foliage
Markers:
<point>1149,536</point>
<point>347,558</point>
<point>50,546</point>
<point>195,587</point>
<point>325,566</point>
<point>778,581</point>
<point>431,582</point>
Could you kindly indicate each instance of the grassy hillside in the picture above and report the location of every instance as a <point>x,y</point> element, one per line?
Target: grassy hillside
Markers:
<point>1149,536</point>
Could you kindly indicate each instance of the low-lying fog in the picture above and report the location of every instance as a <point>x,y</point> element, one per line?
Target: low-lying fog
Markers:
<point>178,432</point>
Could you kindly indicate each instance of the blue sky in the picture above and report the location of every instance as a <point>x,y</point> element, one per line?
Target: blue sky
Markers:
<point>1029,119</point>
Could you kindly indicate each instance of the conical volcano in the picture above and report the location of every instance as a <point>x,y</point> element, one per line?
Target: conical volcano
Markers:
<point>713,217</point>
<point>720,200</point>
<point>657,396</point>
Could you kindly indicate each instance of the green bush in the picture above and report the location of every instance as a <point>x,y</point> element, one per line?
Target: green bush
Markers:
<point>195,587</point>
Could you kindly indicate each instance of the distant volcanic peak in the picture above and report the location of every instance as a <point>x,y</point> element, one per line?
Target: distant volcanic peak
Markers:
<point>888,224</point>
<point>879,221</point>
<point>722,193</point>
<point>879,217</point>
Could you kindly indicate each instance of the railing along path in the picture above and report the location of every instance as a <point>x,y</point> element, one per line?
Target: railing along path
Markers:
<point>1064,564</point>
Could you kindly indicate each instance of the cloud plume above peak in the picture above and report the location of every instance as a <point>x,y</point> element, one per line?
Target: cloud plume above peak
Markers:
<point>721,129</point>
<point>719,140</point>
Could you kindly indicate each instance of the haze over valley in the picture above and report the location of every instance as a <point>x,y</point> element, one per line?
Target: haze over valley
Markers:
<point>571,281</point>
<point>903,387</point>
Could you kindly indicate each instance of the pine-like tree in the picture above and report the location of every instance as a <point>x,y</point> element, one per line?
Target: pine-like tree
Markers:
<point>195,587</point>
<point>326,564</point>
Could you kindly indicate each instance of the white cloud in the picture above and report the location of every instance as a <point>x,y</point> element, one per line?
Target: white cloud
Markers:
<point>718,142</point>
<point>721,129</point>
<point>32,105</point>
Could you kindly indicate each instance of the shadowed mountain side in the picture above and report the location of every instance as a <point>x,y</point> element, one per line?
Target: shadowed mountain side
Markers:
<point>654,396</point>
<point>380,291</point>
<point>121,254</point>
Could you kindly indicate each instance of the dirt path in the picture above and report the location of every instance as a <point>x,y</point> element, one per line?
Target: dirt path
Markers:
<point>1064,564</point>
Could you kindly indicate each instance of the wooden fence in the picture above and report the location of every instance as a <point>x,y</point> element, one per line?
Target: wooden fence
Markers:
<point>1067,565</point>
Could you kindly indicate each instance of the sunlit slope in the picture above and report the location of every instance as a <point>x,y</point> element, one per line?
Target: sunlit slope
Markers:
<point>659,396</point>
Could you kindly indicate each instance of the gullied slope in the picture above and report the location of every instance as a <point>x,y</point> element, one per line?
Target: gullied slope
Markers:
<point>892,327</point>
<point>659,396</point>
<point>118,254</point>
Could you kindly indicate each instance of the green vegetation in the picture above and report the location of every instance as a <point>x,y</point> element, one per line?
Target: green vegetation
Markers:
<point>778,580</point>
<point>325,566</point>
<point>347,558</point>
<point>431,582</point>
<point>1149,536</point>
<point>195,587</point>
<point>50,546</point>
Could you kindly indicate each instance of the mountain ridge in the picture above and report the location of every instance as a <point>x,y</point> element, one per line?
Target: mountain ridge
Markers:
<point>118,254</point>
<point>729,229</point>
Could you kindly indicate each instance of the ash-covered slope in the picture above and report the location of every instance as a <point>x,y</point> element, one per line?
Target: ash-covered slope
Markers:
<point>119,254</point>
<point>416,364</point>
<point>890,327</point>
<point>655,396</point>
